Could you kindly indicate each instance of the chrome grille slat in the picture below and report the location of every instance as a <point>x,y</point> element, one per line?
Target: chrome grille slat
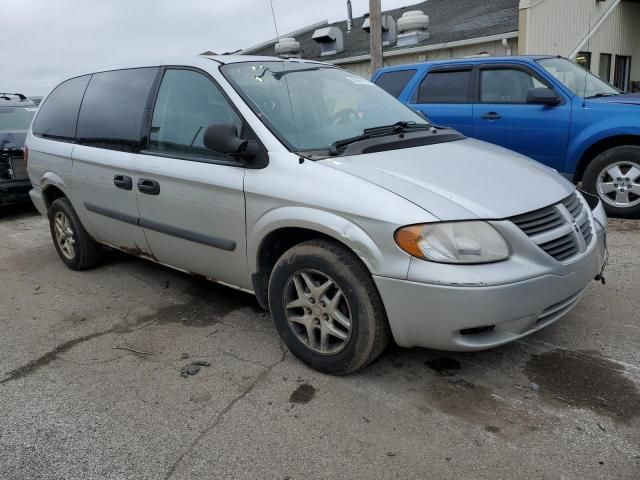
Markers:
<point>538,221</point>
<point>563,230</point>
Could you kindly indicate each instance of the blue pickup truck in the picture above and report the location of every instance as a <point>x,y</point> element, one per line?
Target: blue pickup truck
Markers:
<point>545,107</point>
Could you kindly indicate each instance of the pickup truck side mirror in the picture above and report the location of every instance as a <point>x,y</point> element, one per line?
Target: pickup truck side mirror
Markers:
<point>543,96</point>
<point>224,138</point>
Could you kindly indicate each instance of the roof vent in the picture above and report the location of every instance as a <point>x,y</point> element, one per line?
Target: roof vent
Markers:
<point>288,48</point>
<point>330,40</point>
<point>388,29</point>
<point>413,27</point>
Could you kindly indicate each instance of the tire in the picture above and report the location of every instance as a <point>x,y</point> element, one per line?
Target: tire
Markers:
<point>597,180</point>
<point>86,252</point>
<point>323,262</point>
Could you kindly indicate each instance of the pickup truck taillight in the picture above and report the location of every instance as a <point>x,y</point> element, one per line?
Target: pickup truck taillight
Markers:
<point>26,155</point>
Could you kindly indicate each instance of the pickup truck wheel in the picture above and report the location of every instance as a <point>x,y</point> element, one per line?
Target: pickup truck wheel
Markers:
<point>74,245</point>
<point>326,308</point>
<point>614,176</point>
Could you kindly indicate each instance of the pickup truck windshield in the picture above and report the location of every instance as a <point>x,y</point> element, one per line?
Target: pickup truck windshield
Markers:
<point>576,78</point>
<point>311,107</point>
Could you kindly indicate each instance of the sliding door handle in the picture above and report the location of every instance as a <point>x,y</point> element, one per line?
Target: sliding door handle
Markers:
<point>148,187</point>
<point>122,181</point>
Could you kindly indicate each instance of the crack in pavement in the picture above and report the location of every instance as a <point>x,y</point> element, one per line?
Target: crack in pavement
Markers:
<point>34,365</point>
<point>223,413</point>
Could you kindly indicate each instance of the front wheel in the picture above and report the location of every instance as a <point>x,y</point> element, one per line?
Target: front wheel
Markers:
<point>614,176</point>
<point>326,307</point>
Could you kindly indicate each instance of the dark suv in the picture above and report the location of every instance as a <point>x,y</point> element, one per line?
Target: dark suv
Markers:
<point>16,112</point>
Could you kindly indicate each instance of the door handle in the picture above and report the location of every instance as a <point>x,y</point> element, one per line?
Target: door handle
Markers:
<point>149,187</point>
<point>122,181</point>
<point>491,116</point>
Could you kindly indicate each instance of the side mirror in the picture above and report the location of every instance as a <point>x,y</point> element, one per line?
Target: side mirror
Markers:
<point>543,96</point>
<point>223,138</point>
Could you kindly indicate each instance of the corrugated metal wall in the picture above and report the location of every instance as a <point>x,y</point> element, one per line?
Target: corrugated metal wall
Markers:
<point>558,26</point>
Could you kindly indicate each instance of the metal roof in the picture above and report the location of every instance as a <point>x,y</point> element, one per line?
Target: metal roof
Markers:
<point>450,21</point>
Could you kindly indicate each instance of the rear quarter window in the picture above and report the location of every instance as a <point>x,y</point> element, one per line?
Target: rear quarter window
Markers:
<point>394,82</point>
<point>445,87</point>
<point>58,115</point>
<point>113,108</point>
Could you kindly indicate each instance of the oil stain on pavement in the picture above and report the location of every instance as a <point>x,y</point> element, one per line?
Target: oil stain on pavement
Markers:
<point>582,379</point>
<point>303,394</point>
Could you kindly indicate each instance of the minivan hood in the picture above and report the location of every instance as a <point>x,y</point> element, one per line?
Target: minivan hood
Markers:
<point>465,179</point>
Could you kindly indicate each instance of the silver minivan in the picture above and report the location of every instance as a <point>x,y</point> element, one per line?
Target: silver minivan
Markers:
<point>348,215</point>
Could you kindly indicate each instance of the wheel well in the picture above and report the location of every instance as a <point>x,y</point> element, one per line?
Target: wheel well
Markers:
<point>599,147</point>
<point>272,248</point>
<point>51,194</point>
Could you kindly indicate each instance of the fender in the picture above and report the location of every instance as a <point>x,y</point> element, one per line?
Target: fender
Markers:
<point>54,180</point>
<point>321,221</point>
<point>595,132</point>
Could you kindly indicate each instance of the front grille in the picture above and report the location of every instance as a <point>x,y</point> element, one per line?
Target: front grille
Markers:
<point>563,230</point>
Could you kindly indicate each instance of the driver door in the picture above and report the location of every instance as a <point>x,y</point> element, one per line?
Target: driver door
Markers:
<point>191,198</point>
<point>503,116</point>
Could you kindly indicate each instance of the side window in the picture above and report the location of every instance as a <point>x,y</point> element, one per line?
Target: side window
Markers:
<point>188,102</point>
<point>445,87</point>
<point>113,108</point>
<point>394,82</point>
<point>58,115</point>
<point>506,85</point>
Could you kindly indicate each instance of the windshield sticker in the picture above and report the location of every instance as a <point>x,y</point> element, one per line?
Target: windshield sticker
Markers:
<point>359,80</point>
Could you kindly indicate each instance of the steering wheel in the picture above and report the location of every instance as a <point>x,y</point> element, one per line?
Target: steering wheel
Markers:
<point>344,116</point>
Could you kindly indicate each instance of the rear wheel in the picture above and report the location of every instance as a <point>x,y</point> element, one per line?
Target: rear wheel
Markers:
<point>614,176</point>
<point>326,307</point>
<point>74,245</point>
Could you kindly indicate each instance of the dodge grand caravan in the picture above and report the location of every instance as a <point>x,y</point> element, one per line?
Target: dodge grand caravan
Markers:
<point>348,216</point>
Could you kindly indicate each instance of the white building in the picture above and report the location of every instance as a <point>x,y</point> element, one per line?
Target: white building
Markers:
<point>601,34</point>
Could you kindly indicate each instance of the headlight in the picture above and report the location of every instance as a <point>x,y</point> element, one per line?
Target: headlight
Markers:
<point>453,242</point>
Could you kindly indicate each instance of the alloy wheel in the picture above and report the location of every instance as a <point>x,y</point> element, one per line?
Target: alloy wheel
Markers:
<point>65,236</point>
<point>619,184</point>
<point>317,311</point>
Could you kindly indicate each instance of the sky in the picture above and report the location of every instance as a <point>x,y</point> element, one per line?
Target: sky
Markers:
<point>46,41</point>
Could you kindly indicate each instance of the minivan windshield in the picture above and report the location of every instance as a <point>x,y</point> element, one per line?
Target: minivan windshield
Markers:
<point>310,106</point>
<point>576,78</point>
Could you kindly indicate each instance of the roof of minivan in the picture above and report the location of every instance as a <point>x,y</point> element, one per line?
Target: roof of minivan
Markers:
<point>224,59</point>
<point>466,61</point>
<point>187,60</point>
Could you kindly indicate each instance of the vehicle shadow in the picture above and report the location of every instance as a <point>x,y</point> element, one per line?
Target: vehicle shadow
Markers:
<point>18,211</point>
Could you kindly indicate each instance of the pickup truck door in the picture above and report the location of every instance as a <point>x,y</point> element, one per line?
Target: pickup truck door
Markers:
<point>444,96</point>
<point>190,198</point>
<point>501,114</point>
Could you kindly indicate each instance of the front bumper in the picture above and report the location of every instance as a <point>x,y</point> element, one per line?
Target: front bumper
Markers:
<point>476,315</point>
<point>14,191</point>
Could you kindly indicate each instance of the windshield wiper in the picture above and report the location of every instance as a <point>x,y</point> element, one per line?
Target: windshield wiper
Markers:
<point>381,131</point>
<point>602,94</point>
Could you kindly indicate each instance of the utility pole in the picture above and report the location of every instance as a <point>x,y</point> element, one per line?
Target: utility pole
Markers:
<point>375,34</point>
